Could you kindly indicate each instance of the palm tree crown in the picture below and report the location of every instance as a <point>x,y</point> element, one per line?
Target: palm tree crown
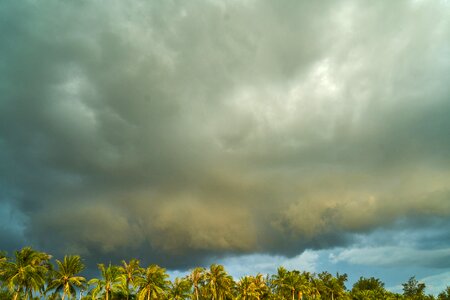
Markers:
<point>153,283</point>
<point>27,273</point>
<point>219,285</point>
<point>106,284</point>
<point>180,289</point>
<point>128,274</point>
<point>196,278</point>
<point>65,278</point>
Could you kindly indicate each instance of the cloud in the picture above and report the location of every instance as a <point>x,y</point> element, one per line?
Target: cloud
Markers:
<point>12,225</point>
<point>239,266</point>
<point>394,257</point>
<point>420,245</point>
<point>436,283</point>
<point>179,132</point>
<point>251,264</point>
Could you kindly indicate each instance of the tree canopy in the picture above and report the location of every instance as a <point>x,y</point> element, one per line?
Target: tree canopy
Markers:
<point>30,274</point>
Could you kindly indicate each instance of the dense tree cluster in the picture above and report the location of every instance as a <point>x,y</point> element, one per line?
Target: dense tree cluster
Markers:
<point>30,274</point>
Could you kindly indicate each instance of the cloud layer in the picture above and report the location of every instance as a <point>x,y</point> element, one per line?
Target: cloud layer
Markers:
<point>181,131</point>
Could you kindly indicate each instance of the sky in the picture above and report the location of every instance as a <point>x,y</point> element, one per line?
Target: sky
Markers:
<point>309,134</point>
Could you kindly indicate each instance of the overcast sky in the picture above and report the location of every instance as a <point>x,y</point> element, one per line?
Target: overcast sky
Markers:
<point>310,134</point>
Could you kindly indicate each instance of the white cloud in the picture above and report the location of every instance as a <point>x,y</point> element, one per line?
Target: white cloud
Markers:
<point>390,256</point>
<point>436,283</point>
<point>252,264</point>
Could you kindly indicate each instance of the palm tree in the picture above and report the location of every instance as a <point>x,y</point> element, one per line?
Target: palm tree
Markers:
<point>3,260</point>
<point>4,293</point>
<point>292,281</point>
<point>368,288</point>
<point>65,278</point>
<point>180,289</point>
<point>333,287</point>
<point>261,285</point>
<point>110,278</point>
<point>218,283</point>
<point>27,273</point>
<point>3,257</point>
<point>445,294</point>
<point>304,286</point>
<point>339,285</point>
<point>129,271</point>
<point>282,283</point>
<point>314,287</point>
<point>196,277</point>
<point>247,289</point>
<point>289,283</point>
<point>153,283</point>
<point>252,287</point>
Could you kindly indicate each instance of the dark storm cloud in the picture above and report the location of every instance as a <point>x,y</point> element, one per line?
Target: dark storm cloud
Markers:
<point>177,131</point>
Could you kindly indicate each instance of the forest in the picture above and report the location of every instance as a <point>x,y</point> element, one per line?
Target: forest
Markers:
<point>29,274</point>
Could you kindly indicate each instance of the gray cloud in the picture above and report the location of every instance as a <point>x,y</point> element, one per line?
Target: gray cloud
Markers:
<point>420,242</point>
<point>394,256</point>
<point>181,131</point>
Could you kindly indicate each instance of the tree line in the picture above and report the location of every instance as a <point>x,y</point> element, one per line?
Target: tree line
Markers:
<point>31,274</point>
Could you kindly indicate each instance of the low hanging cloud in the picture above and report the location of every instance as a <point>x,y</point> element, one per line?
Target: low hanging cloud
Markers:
<point>181,131</point>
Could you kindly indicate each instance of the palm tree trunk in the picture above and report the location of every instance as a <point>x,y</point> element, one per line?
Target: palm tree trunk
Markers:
<point>63,296</point>
<point>196,292</point>
<point>332,295</point>
<point>293,294</point>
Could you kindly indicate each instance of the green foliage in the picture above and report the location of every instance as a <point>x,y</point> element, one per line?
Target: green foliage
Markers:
<point>445,294</point>
<point>26,273</point>
<point>332,287</point>
<point>29,275</point>
<point>128,274</point>
<point>368,288</point>
<point>180,289</point>
<point>197,278</point>
<point>218,285</point>
<point>5,294</point>
<point>252,287</point>
<point>108,281</point>
<point>65,278</point>
<point>153,283</point>
<point>414,289</point>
